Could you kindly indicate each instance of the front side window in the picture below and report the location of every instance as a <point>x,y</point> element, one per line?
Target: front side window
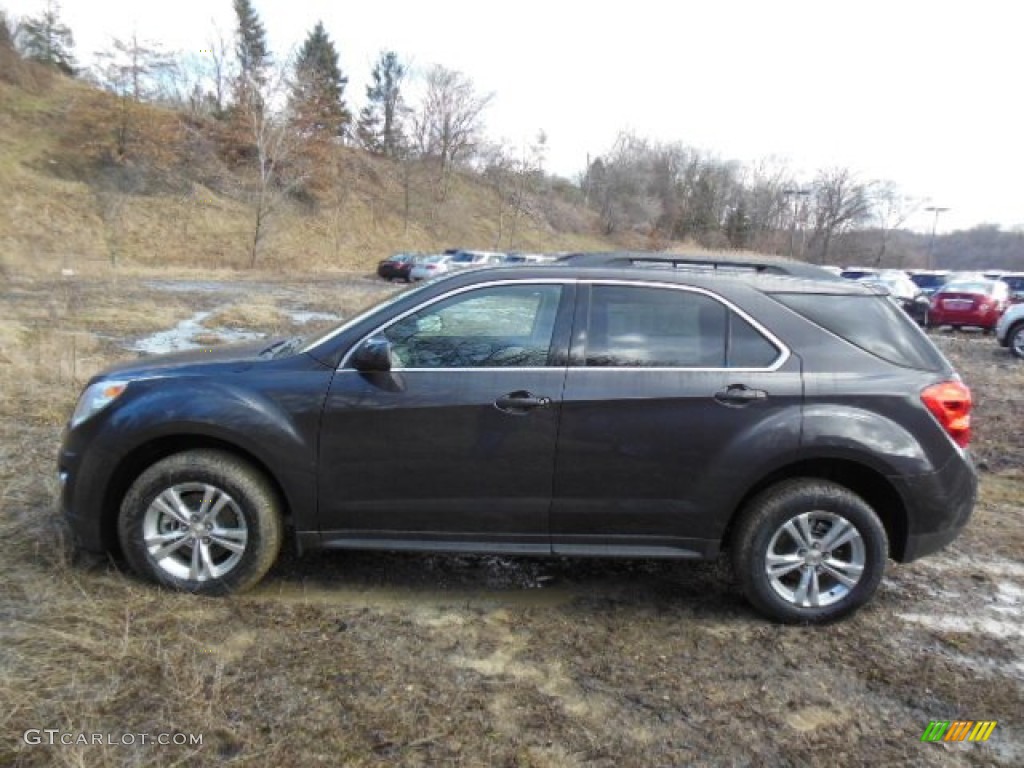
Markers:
<point>495,327</point>
<point>634,326</point>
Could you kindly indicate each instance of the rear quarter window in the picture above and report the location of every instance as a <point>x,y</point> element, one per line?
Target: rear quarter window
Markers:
<point>873,323</point>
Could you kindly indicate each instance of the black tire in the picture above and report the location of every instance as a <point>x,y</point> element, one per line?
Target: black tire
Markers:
<point>763,528</point>
<point>1015,340</point>
<point>228,551</point>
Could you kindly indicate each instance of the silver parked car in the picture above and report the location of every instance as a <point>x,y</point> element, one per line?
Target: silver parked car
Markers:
<point>1010,330</point>
<point>468,259</point>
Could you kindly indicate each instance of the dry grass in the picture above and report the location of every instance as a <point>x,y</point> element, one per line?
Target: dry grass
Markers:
<point>55,216</point>
<point>374,659</point>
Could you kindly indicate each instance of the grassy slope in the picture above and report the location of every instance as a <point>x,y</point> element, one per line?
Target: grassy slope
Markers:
<point>48,222</point>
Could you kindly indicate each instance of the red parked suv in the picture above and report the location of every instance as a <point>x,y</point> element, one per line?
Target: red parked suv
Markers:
<point>977,303</point>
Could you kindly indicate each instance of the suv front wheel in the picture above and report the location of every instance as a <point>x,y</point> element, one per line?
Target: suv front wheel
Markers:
<point>201,521</point>
<point>809,551</point>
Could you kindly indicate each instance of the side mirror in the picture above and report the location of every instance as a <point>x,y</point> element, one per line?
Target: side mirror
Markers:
<point>373,355</point>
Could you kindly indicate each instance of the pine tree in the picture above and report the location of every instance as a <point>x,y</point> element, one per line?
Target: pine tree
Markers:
<point>46,39</point>
<point>380,121</point>
<point>317,94</point>
<point>252,52</point>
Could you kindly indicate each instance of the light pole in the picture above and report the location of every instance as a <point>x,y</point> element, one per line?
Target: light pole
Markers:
<point>795,193</point>
<point>935,223</point>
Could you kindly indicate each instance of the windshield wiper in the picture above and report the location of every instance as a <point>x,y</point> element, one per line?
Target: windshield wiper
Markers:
<point>282,347</point>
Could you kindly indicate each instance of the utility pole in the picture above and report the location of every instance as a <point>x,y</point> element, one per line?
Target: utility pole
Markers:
<point>795,193</point>
<point>931,241</point>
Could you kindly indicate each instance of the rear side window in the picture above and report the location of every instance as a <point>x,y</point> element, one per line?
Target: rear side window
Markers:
<point>873,323</point>
<point>632,326</point>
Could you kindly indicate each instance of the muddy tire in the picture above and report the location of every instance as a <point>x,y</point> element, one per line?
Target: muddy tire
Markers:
<point>202,521</point>
<point>809,551</point>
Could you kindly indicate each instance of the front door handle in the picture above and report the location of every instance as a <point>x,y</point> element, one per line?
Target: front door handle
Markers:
<point>521,401</point>
<point>739,395</point>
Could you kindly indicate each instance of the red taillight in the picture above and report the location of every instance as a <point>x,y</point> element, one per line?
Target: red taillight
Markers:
<point>950,403</point>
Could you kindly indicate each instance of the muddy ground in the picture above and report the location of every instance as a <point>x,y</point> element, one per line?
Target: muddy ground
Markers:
<point>377,659</point>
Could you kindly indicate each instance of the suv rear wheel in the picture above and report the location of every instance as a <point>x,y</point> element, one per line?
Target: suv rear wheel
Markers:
<point>202,521</point>
<point>809,551</point>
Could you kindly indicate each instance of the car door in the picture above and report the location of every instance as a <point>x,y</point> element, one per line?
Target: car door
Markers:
<point>454,446</point>
<point>673,400</point>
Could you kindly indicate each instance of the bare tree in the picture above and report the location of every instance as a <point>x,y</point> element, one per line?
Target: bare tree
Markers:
<point>529,174</point>
<point>8,30</point>
<point>275,144</point>
<point>448,122</point>
<point>221,69</point>
<point>498,165</point>
<point>619,186</point>
<point>891,209</point>
<point>840,201</point>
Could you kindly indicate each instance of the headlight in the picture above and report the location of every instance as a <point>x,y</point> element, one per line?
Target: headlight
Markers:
<point>95,398</point>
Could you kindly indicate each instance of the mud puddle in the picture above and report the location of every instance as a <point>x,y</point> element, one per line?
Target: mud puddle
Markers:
<point>190,333</point>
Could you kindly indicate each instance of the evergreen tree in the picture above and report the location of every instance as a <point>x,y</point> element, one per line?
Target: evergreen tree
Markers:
<point>252,52</point>
<point>380,121</point>
<point>318,91</point>
<point>46,39</point>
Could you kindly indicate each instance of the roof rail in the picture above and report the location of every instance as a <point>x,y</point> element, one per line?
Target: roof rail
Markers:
<point>697,262</point>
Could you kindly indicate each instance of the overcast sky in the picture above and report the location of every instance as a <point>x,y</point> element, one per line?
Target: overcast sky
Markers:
<point>926,94</point>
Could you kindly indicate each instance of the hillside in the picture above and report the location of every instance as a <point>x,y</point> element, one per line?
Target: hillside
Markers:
<point>67,207</point>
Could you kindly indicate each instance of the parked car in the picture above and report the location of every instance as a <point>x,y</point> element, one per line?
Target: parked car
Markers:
<point>397,267</point>
<point>525,258</point>
<point>929,280</point>
<point>586,408</point>
<point>1015,280</point>
<point>467,259</point>
<point>974,303</point>
<point>856,273</point>
<point>430,267</point>
<point>1010,330</point>
<point>904,292</point>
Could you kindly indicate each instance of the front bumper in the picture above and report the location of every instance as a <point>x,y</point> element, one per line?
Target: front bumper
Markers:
<point>84,478</point>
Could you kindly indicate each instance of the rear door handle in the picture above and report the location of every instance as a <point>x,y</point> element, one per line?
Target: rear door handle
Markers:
<point>739,395</point>
<point>521,401</point>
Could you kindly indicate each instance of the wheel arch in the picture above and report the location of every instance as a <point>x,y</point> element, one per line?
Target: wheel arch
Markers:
<point>145,455</point>
<point>868,483</point>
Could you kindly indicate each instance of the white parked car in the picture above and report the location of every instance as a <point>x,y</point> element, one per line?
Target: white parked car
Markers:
<point>430,267</point>
<point>1010,330</point>
<point>467,259</point>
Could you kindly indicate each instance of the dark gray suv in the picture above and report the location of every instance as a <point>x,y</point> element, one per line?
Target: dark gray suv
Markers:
<point>608,405</point>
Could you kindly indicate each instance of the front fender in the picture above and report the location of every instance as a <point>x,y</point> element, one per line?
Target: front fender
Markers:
<point>274,419</point>
<point>253,420</point>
